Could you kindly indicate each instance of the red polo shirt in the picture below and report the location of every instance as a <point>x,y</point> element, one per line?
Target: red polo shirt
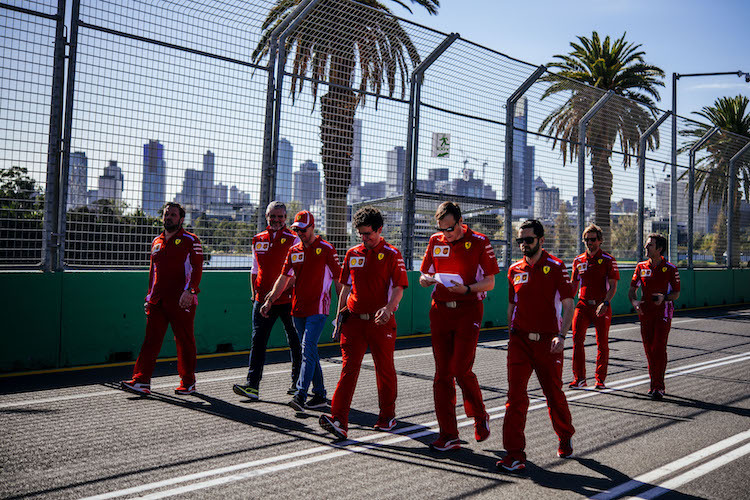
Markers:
<point>471,257</point>
<point>593,274</point>
<point>538,292</point>
<point>662,277</point>
<point>372,275</point>
<point>270,249</point>
<point>176,266</point>
<point>315,268</point>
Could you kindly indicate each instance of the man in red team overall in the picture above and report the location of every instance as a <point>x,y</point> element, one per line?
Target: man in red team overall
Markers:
<point>373,279</point>
<point>596,273</point>
<point>539,295</point>
<point>270,248</point>
<point>462,265</point>
<point>659,282</point>
<point>313,265</point>
<point>174,275</point>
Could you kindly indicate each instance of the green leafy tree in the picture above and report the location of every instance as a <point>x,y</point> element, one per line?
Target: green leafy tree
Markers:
<point>731,114</point>
<point>618,66</point>
<point>333,41</point>
<point>624,238</point>
<point>564,247</point>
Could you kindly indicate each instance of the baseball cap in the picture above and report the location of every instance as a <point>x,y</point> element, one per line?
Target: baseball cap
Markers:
<point>303,219</point>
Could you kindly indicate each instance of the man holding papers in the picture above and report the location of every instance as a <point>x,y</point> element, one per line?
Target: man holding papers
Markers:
<point>462,265</point>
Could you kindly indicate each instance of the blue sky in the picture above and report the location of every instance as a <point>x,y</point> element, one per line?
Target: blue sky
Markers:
<point>688,36</point>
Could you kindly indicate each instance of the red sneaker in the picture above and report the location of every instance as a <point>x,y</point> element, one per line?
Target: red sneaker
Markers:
<point>184,391</point>
<point>135,387</point>
<point>385,424</point>
<point>578,384</point>
<point>510,464</point>
<point>482,428</point>
<point>565,450</point>
<point>443,443</point>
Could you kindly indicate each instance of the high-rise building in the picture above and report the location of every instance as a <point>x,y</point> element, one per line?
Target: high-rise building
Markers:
<point>78,180</point>
<point>111,184</point>
<point>284,165</point>
<point>154,183</point>
<point>190,196</point>
<point>208,189</point>
<point>546,201</point>
<point>701,221</point>
<point>523,160</point>
<point>396,162</point>
<point>307,184</point>
<point>355,191</point>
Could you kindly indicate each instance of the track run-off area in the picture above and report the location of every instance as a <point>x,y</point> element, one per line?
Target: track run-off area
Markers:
<point>75,435</point>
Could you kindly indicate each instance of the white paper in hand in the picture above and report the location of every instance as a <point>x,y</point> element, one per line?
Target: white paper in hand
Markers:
<point>447,279</point>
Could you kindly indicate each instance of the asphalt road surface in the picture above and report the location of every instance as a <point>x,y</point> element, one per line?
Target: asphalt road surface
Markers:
<point>74,435</point>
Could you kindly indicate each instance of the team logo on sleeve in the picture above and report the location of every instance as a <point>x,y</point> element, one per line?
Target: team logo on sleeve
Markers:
<point>261,246</point>
<point>467,245</point>
<point>546,269</point>
<point>177,241</point>
<point>357,262</point>
<point>298,257</point>
<point>381,256</point>
<point>521,278</point>
<point>441,251</point>
<point>645,273</point>
<point>156,247</point>
<point>318,250</point>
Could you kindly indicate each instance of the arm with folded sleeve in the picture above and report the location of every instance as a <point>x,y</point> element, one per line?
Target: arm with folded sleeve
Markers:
<point>343,313</point>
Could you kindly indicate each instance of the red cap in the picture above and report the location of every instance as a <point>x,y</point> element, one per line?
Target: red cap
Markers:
<point>303,219</point>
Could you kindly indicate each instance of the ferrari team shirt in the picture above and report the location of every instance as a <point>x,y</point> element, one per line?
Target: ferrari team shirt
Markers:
<point>270,249</point>
<point>593,274</point>
<point>662,277</point>
<point>471,257</point>
<point>537,292</point>
<point>372,275</point>
<point>314,268</point>
<point>176,266</point>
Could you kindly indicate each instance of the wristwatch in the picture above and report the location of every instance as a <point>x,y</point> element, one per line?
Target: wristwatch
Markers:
<point>468,289</point>
<point>606,302</point>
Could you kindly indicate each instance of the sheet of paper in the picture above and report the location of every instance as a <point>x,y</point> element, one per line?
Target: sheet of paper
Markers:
<point>447,279</point>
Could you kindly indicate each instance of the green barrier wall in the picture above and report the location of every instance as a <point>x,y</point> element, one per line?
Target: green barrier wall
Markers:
<point>83,318</point>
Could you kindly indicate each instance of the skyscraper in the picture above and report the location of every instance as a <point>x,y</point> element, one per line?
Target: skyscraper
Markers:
<point>154,183</point>
<point>78,180</point>
<point>307,184</point>
<point>208,190</point>
<point>190,196</point>
<point>396,162</point>
<point>284,171</point>
<point>523,160</point>
<point>111,184</point>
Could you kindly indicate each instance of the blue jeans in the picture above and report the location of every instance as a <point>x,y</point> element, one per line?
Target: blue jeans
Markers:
<point>309,329</point>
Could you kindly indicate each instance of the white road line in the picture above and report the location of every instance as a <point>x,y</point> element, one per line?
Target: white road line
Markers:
<point>404,434</point>
<point>671,468</point>
<point>695,473</point>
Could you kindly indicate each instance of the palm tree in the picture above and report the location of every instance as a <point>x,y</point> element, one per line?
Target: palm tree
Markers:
<point>617,66</point>
<point>336,39</point>
<point>731,114</point>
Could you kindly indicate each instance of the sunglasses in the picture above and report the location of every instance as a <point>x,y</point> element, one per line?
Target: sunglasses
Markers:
<point>446,229</point>
<point>591,239</point>
<point>298,229</point>
<point>528,240</point>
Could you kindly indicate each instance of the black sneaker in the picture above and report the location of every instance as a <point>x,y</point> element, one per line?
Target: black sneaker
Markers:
<point>292,389</point>
<point>333,426</point>
<point>317,402</point>
<point>657,395</point>
<point>247,391</point>
<point>298,403</point>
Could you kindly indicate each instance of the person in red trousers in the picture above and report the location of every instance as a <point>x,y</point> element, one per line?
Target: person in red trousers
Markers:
<point>174,275</point>
<point>373,279</point>
<point>461,264</point>
<point>595,272</point>
<point>659,282</point>
<point>540,311</point>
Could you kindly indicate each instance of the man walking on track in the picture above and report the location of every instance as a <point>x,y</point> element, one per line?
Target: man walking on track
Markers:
<point>270,249</point>
<point>659,282</point>
<point>540,310</point>
<point>373,279</point>
<point>596,273</point>
<point>313,264</point>
<point>174,275</point>
<point>462,265</point>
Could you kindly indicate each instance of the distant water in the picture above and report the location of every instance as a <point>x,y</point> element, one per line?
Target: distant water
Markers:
<point>218,261</point>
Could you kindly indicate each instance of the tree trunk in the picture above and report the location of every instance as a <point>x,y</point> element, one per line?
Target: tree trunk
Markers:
<point>601,173</point>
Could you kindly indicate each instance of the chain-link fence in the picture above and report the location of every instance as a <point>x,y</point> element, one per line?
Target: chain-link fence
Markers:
<point>329,105</point>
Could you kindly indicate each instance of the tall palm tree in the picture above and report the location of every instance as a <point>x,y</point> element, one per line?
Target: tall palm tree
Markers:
<point>731,114</point>
<point>336,39</point>
<point>608,65</point>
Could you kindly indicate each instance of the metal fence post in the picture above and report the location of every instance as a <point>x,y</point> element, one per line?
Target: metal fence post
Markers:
<point>510,118</point>
<point>412,149</point>
<point>642,180</point>
<point>691,191</point>
<point>273,101</point>
<point>731,192</point>
<point>582,125</point>
<point>52,191</point>
<point>67,132</point>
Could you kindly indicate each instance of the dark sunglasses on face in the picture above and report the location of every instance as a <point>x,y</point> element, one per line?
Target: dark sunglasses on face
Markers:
<point>298,229</point>
<point>446,229</point>
<point>528,240</point>
<point>591,239</point>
